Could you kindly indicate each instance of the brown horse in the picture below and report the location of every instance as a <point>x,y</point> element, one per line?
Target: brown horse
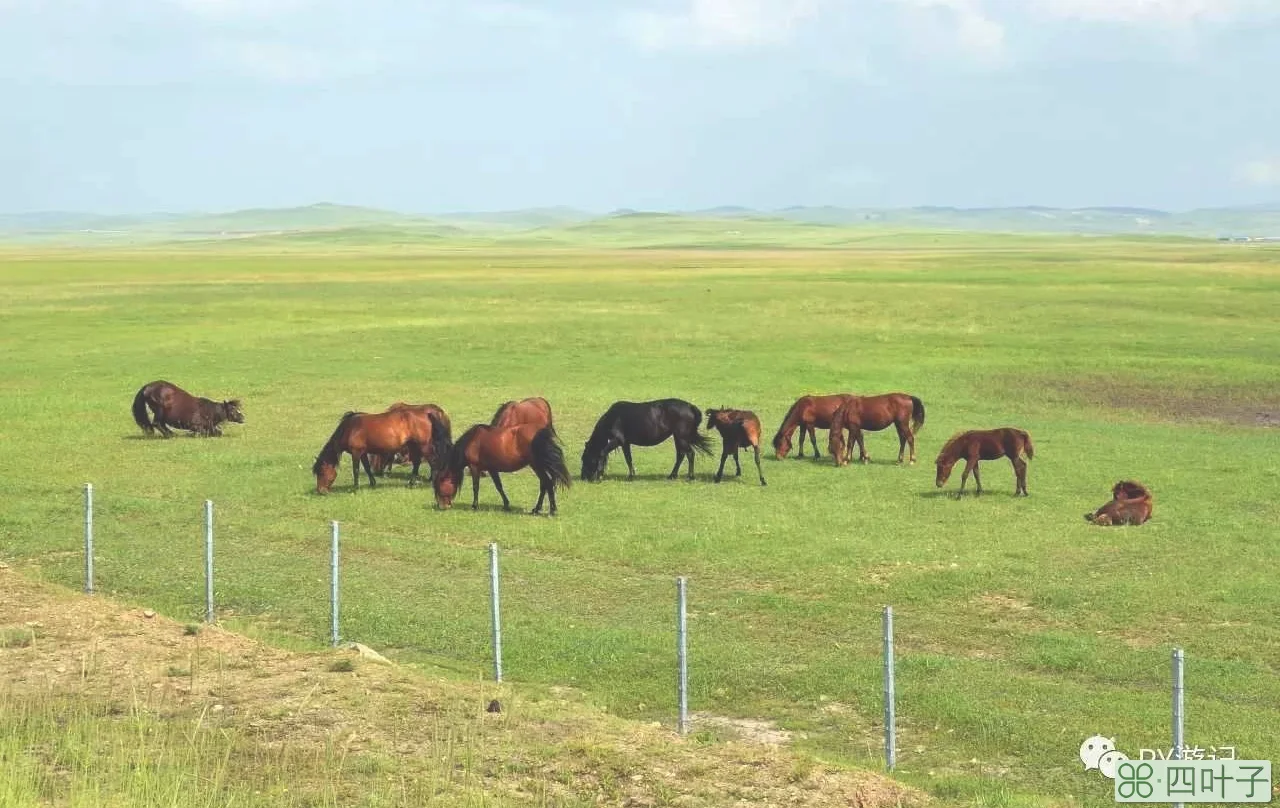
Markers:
<point>986,445</point>
<point>382,463</point>
<point>809,413</point>
<point>363,435</point>
<point>536,411</point>
<point>494,450</point>
<point>737,428</point>
<point>873,413</point>
<point>1131,504</point>
<point>173,406</point>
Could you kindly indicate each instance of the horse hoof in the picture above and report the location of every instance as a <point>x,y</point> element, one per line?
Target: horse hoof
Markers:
<point>762,482</point>
<point>717,479</point>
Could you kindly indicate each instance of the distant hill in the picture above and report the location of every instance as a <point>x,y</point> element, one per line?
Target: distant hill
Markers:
<point>348,224</point>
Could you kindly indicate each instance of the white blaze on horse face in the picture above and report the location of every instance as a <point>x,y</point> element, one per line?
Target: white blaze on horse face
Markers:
<point>1092,750</point>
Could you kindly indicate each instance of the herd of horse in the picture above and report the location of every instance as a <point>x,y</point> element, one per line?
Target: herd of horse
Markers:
<point>522,434</point>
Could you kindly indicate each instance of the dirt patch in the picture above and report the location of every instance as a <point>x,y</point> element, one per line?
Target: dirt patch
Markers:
<point>996,603</point>
<point>750,730</point>
<point>1239,406</point>
<point>541,747</point>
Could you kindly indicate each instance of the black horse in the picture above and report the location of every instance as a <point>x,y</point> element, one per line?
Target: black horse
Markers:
<point>645,423</point>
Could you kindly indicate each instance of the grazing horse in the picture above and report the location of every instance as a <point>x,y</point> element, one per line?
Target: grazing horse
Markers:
<point>1131,504</point>
<point>737,428</point>
<point>382,463</point>
<point>986,444</point>
<point>494,449</point>
<point>364,435</point>
<point>536,411</point>
<point>173,406</point>
<point>873,413</point>
<point>646,423</point>
<point>809,413</point>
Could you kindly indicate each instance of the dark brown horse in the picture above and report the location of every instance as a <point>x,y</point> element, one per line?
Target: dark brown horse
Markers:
<point>173,406</point>
<point>536,411</point>
<point>809,414</point>
<point>737,428</point>
<point>986,445</point>
<point>874,413</point>
<point>1131,504</point>
<point>363,435</point>
<point>382,463</point>
<point>493,450</point>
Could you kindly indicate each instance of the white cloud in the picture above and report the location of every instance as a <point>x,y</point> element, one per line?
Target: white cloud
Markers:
<point>1151,11</point>
<point>1263,172</point>
<point>956,25</point>
<point>720,24</point>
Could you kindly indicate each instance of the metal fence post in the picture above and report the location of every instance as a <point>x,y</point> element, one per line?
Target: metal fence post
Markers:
<point>1177,708</point>
<point>682,654</point>
<point>333,589</point>
<point>208,561</point>
<point>890,727</point>
<point>88,538</point>
<point>497,620</point>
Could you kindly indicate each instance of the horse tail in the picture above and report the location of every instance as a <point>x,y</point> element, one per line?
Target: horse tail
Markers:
<point>917,414</point>
<point>548,457</point>
<point>700,441</point>
<point>777,438</point>
<point>1027,446</point>
<point>140,416</point>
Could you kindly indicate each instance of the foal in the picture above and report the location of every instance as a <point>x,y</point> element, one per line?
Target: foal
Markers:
<point>737,428</point>
<point>1130,505</point>
<point>986,444</point>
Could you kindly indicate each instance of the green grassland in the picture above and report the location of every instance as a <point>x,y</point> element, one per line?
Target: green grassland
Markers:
<point>1020,629</point>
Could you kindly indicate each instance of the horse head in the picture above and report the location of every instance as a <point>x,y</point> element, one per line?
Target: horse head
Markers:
<point>781,445</point>
<point>445,482</point>
<point>325,473</point>
<point>944,469</point>
<point>595,456</point>
<point>231,411</point>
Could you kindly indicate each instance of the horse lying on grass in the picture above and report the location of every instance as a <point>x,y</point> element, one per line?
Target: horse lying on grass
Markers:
<point>1130,504</point>
<point>173,406</point>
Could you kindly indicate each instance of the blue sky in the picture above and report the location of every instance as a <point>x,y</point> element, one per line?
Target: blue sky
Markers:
<point>146,105</point>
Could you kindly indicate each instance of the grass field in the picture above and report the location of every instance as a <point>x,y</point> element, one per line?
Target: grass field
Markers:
<point>1020,629</point>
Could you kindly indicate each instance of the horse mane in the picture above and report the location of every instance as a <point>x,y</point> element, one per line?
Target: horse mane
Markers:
<point>950,445</point>
<point>602,424</point>
<point>330,453</point>
<point>1130,489</point>
<point>458,452</point>
<point>777,438</point>
<point>498,412</point>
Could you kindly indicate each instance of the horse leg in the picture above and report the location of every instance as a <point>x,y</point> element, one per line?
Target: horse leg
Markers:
<point>355,470</point>
<point>475,489</point>
<point>759,470</point>
<point>415,457</point>
<point>497,483</point>
<point>736,462</point>
<point>813,440</point>
<point>688,452</point>
<point>724,455</point>
<point>970,466</point>
<point>1020,472</point>
<point>903,432</point>
<point>911,441</point>
<point>675,470</point>
<point>803,431</point>
<point>543,483</point>
<point>368,469</point>
<point>161,425</point>
<point>977,479</point>
<point>626,454</point>
<point>863,457</point>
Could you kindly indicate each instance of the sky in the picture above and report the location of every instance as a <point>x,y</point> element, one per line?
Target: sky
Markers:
<point>130,106</point>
